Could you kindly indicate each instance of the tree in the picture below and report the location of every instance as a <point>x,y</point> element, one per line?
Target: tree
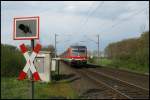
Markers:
<point>135,50</point>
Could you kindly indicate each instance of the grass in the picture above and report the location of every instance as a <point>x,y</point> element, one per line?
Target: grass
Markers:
<point>105,61</point>
<point>11,88</point>
<point>125,65</point>
<point>55,90</point>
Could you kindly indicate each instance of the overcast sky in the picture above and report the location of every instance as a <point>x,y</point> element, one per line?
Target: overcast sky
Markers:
<point>77,21</point>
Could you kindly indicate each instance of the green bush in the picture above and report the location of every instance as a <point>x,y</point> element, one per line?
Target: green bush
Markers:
<point>92,60</point>
<point>12,61</point>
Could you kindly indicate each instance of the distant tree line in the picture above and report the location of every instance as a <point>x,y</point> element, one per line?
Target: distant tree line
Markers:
<point>12,60</point>
<point>135,50</point>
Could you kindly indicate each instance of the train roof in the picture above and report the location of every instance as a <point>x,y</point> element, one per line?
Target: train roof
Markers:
<point>77,46</point>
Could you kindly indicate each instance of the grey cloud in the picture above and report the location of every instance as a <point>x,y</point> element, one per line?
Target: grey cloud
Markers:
<point>71,18</point>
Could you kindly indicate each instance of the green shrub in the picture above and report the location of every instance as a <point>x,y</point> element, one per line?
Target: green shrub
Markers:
<point>12,61</point>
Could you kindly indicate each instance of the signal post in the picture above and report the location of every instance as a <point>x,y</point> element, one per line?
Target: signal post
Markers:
<point>27,28</point>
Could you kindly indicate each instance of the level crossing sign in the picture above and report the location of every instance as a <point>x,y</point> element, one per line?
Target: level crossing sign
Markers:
<point>29,62</point>
<point>26,28</point>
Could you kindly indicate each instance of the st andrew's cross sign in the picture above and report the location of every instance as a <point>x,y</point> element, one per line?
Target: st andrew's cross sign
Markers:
<point>29,62</point>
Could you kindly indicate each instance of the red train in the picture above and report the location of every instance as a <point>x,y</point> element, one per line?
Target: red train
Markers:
<point>75,55</point>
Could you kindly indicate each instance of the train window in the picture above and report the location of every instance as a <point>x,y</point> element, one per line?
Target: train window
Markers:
<point>82,51</point>
<point>78,50</point>
<point>75,53</point>
<point>74,50</point>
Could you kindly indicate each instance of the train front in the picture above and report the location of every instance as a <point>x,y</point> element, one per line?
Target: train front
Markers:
<point>78,54</point>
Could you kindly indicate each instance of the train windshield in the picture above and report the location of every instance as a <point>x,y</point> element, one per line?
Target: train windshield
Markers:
<point>79,51</point>
<point>82,50</point>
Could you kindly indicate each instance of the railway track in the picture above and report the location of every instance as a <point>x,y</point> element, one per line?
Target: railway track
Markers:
<point>125,89</point>
<point>137,80</point>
